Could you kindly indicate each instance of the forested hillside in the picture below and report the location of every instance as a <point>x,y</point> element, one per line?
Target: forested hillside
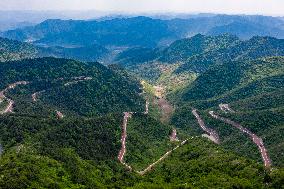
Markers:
<point>69,86</point>
<point>13,50</point>
<point>254,91</point>
<point>174,108</point>
<point>184,59</point>
<point>79,153</point>
<point>144,31</point>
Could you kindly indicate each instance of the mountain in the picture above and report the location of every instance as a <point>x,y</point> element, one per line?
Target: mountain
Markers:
<point>69,86</point>
<point>253,89</point>
<point>143,31</point>
<point>80,153</point>
<point>88,53</point>
<point>179,64</point>
<point>118,32</point>
<point>13,50</point>
<point>16,50</point>
<point>256,47</point>
<point>183,49</point>
<point>201,112</point>
<point>206,71</point>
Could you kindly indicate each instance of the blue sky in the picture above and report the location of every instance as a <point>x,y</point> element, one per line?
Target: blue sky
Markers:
<point>265,7</point>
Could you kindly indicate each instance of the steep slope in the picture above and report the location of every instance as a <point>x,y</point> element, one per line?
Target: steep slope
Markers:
<point>253,90</point>
<point>142,31</point>
<point>87,53</point>
<point>13,50</point>
<point>118,32</point>
<point>179,64</point>
<point>181,50</point>
<point>233,78</point>
<point>70,86</point>
<point>147,141</point>
<point>80,153</point>
<point>256,47</point>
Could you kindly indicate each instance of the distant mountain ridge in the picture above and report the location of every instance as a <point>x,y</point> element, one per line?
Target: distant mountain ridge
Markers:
<point>11,50</point>
<point>144,31</point>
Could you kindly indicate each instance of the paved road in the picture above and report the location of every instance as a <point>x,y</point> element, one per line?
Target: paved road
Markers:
<point>150,167</point>
<point>257,140</point>
<point>34,95</point>
<point>10,105</point>
<point>214,135</point>
<point>226,108</point>
<point>123,137</point>
<point>173,136</point>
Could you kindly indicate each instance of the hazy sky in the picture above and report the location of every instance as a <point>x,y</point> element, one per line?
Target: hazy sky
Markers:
<point>266,7</point>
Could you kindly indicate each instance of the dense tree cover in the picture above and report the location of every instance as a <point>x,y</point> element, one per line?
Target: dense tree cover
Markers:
<point>81,152</point>
<point>183,49</point>
<point>198,164</point>
<point>106,91</point>
<point>238,79</point>
<point>256,47</point>
<point>86,53</point>
<point>136,55</point>
<point>147,141</point>
<point>120,32</point>
<point>13,50</point>
<point>143,31</point>
<point>178,65</point>
<point>254,90</point>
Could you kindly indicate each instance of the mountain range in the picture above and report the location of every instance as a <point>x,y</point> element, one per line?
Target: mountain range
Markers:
<point>178,103</point>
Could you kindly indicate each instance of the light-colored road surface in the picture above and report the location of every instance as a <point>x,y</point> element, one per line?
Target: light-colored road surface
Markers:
<point>226,108</point>
<point>146,107</point>
<point>59,114</point>
<point>257,140</point>
<point>122,151</point>
<point>213,134</point>
<point>123,136</point>
<point>151,166</point>
<point>173,136</point>
<point>10,105</point>
<point>35,95</point>
<point>77,80</point>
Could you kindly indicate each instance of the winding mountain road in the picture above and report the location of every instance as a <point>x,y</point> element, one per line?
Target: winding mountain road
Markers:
<point>122,151</point>
<point>35,95</point>
<point>213,134</point>
<point>257,140</point>
<point>9,108</point>
<point>226,108</point>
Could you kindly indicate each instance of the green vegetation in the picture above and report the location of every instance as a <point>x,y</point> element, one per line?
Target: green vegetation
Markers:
<point>13,50</point>
<point>254,90</point>
<point>147,141</point>
<point>106,91</point>
<point>80,150</point>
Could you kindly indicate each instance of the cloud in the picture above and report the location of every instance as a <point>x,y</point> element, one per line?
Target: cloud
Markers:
<point>268,7</point>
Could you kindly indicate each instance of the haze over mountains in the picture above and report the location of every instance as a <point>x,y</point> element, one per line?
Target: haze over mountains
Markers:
<point>143,102</point>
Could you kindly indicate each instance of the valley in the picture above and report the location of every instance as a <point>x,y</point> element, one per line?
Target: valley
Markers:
<point>143,102</point>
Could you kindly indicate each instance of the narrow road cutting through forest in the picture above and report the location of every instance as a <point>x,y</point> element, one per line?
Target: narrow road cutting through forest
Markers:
<point>213,135</point>
<point>122,151</point>
<point>151,166</point>
<point>257,140</point>
<point>11,103</point>
<point>226,108</point>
